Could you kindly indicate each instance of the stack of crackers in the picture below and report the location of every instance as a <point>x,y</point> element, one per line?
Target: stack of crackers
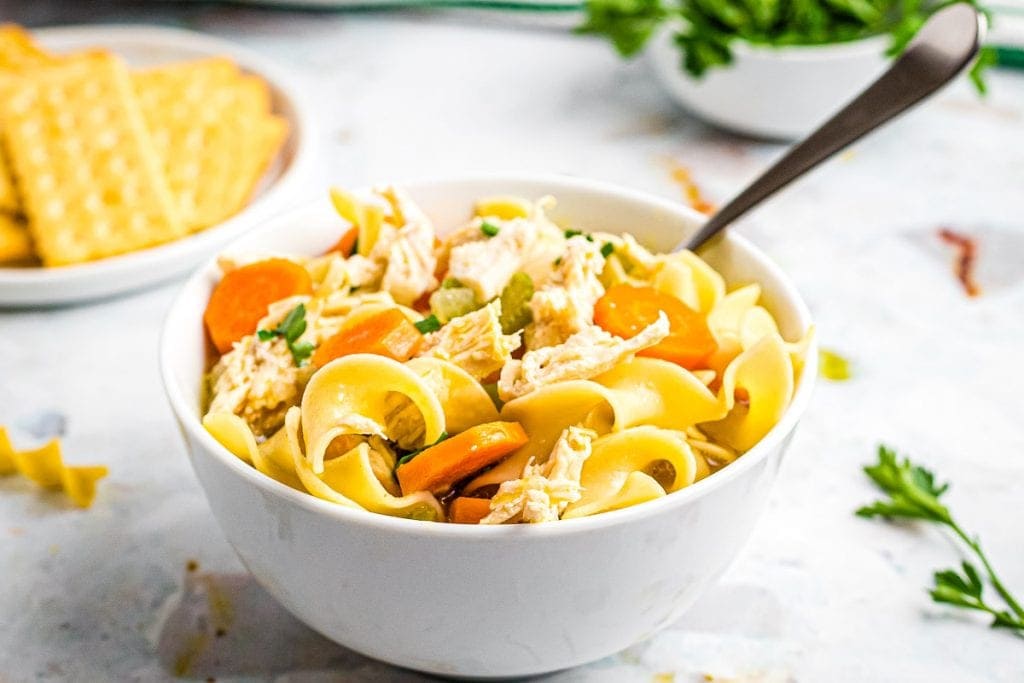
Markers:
<point>97,159</point>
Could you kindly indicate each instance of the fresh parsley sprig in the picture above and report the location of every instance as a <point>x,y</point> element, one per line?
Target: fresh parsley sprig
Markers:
<point>290,329</point>
<point>913,493</point>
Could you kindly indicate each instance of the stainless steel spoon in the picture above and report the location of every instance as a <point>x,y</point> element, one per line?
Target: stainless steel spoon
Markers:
<point>947,43</point>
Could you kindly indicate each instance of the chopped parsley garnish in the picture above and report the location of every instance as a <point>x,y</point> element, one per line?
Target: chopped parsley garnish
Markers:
<point>557,261</point>
<point>412,454</point>
<point>573,233</point>
<point>450,283</point>
<point>606,249</point>
<point>290,329</point>
<point>428,324</point>
<point>489,229</point>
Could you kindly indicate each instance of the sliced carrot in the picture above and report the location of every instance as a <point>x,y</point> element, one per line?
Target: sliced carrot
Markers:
<point>466,510</point>
<point>347,244</point>
<point>625,310</point>
<point>437,468</point>
<point>242,296</point>
<point>387,333</point>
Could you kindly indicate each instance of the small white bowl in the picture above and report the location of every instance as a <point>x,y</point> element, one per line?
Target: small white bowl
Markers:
<point>145,46</point>
<point>771,92</point>
<point>472,601</point>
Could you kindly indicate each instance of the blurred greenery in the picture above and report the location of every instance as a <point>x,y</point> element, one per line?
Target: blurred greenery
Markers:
<point>708,27</point>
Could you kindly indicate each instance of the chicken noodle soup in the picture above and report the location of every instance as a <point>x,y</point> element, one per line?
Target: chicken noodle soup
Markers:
<point>506,370</point>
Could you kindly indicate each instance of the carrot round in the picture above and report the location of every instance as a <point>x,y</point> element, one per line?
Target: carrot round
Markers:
<point>242,296</point>
<point>387,333</point>
<point>437,468</point>
<point>347,244</point>
<point>624,310</point>
<point>466,510</point>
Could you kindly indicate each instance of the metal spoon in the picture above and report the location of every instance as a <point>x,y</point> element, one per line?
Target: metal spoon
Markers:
<point>947,43</point>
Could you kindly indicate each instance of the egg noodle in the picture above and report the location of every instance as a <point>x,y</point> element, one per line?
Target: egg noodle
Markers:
<point>510,370</point>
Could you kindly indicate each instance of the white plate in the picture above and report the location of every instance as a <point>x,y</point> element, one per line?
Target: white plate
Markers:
<point>143,46</point>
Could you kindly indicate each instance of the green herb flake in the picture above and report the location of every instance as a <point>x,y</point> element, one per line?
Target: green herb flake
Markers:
<point>607,249</point>
<point>489,229</point>
<point>428,324</point>
<point>301,352</point>
<point>290,329</point>
<point>834,367</point>
<point>412,454</point>
<point>569,234</point>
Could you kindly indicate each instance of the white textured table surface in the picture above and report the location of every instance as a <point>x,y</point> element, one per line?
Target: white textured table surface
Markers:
<point>818,595</point>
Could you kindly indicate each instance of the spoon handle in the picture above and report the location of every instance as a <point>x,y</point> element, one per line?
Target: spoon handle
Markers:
<point>947,42</point>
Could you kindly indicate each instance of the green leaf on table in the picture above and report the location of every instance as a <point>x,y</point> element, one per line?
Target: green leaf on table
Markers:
<point>912,490</point>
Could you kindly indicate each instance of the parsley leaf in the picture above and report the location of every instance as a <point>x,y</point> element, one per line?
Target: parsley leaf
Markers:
<point>301,352</point>
<point>607,249</point>
<point>913,493</point>
<point>290,329</point>
<point>412,454</point>
<point>428,324</point>
<point>489,229</point>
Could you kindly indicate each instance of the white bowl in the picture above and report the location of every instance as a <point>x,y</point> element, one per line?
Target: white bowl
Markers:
<point>771,92</point>
<point>473,601</point>
<point>144,46</point>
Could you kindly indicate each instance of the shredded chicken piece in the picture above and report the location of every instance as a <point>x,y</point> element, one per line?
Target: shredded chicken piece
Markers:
<point>557,315</point>
<point>405,248</point>
<point>566,306</point>
<point>521,244</point>
<point>474,342</point>
<point>584,355</point>
<point>361,271</point>
<point>545,491</point>
<point>484,267</point>
<point>259,382</point>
